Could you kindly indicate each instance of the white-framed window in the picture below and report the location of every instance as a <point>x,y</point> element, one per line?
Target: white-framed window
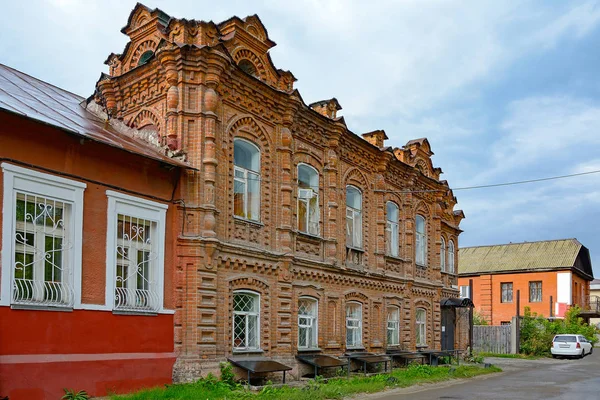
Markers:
<point>464,292</point>
<point>308,200</point>
<point>353,324</point>
<point>308,323</point>
<point>506,288</point>
<point>421,326</point>
<point>443,256</point>
<point>421,241</point>
<point>535,291</point>
<point>451,257</point>
<point>246,320</point>
<point>246,182</point>
<point>353,217</point>
<point>391,229</point>
<point>135,253</point>
<point>42,233</point>
<point>393,326</point>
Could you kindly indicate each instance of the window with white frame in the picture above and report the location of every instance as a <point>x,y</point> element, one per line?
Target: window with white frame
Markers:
<point>353,324</point>
<point>421,241</point>
<point>464,292</point>
<point>353,217</point>
<point>506,289</point>
<point>307,323</point>
<point>391,229</point>
<point>41,239</point>
<point>246,183</point>
<point>393,326</point>
<point>308,199</point>
<point>421,326</point>
<point>451,257</point>
<point>443,256</point>
<point>135,253</point>
<point>246,320</point>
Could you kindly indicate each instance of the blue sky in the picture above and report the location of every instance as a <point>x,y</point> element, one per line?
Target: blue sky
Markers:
<point>503,90</point>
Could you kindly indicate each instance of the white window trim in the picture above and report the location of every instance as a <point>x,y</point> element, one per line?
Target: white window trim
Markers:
<point>358,345</point>
<point>443,255</point>
<point>422,239</point>
<point>248,176</point>
<point>258,326</point>
<point>421,326</point>
<point>451,256</point>
<point>315,325</point>
<point>394,246</point>
<point>315,192</point>
<point>139,208</point>
<point>396,329</point>
<point>464,292</point>
<point>357,222</point>
<point>68,190</point>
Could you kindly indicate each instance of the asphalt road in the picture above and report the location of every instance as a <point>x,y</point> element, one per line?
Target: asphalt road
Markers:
<point>546,379</point>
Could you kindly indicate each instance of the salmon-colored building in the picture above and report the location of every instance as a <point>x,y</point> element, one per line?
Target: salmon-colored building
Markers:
<point>86,290</point>
<point>550,275</point>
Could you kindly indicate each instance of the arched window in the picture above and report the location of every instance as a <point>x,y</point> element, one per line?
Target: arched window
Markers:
<point>353,324</point>
<point>308,199</point>
<point>353,217</point>
<point>393,326</point>
<point>246,188</point>
<point>451,257</point>
<point>443,256</point>
<point>246,320</point>
<point>247,67</point>
<point>421,241</point>
<point>145,57</point>
<point>308,323</point>
<point>391,229</point>
<point>421,326</point>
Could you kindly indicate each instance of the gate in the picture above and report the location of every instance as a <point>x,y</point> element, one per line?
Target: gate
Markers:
<point>492,339</point>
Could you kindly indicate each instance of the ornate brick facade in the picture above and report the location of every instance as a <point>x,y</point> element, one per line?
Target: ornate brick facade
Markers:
<point>199,86</point>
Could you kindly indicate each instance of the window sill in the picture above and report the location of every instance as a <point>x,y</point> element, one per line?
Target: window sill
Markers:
<point>144,313</point>
<point>421,266</point>
<point>254,351</point>
<point>355,249</point>
<point>248,221</point>
<point>421,347</point>
<point>309,236</point>
<point>41,308</point>
<point>314,349</point>
<point>355,348</point>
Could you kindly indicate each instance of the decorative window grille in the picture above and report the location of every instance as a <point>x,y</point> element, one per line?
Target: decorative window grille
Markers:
<point>535,292</point>
<point>507,292</point>
<point>421,241</point>
<point>42,223</point>
<point>421,326</point>
<point>443,256</point>
<point>464,292</point>
<point>308,199</point>
<point>135,282</point>
<point>307,323</point>
<point>353,325</point>
<point>353,217</point>
<point>246,313</point>
<point>451,257</point>
<point>41,274</point>
<point>246,183</point>
<point>393,326</point>
<point>391,229</point>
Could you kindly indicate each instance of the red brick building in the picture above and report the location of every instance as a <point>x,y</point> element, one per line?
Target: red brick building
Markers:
<point>284,232</point>
<point>551,276</point>
<point>88,244</point>
<point>296,234</point>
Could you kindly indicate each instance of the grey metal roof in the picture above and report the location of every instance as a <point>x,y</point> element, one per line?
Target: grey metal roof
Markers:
<point>32,98</point>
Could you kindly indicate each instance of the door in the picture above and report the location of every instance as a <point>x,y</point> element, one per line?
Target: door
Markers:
<point>448,326</point>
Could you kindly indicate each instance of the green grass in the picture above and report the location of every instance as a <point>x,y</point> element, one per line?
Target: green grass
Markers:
<point>337,388</point>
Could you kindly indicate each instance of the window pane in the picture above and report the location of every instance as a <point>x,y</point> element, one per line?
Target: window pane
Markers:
<point>253,197</point>
<point>392,212</point>
<point>302,216</point>
<point>239,193</point>
<point>353,198</point>
<point>246,155</point>
<point>313,215</point>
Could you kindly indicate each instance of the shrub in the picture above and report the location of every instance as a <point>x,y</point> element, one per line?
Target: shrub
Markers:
<point>72,395</point>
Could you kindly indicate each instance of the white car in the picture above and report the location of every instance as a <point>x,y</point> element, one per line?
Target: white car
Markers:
<point>570,345</point>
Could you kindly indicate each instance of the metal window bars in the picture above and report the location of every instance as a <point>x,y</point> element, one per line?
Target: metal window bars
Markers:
<point>245,321</point>
<point>41,273</point>
<point>135,281</point>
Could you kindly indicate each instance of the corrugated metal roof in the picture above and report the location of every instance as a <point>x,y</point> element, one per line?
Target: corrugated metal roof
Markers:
<point>549,254</point>
<point>29,97</point>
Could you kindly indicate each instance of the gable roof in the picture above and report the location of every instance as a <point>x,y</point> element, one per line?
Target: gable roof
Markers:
<point>521,257</point>
<point>28,97</point>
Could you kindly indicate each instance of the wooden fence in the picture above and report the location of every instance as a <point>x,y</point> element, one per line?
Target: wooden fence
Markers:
<point>492,339</point>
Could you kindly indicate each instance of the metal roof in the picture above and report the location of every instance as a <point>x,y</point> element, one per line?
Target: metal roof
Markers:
<point>32,98</point>
<point>549,254</point>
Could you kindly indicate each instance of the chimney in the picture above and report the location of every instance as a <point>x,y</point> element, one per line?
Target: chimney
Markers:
<point>376,138</point>
<point>327,108</point>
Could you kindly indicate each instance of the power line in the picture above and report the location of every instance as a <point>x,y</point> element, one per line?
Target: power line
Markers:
<point>527,181</point>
